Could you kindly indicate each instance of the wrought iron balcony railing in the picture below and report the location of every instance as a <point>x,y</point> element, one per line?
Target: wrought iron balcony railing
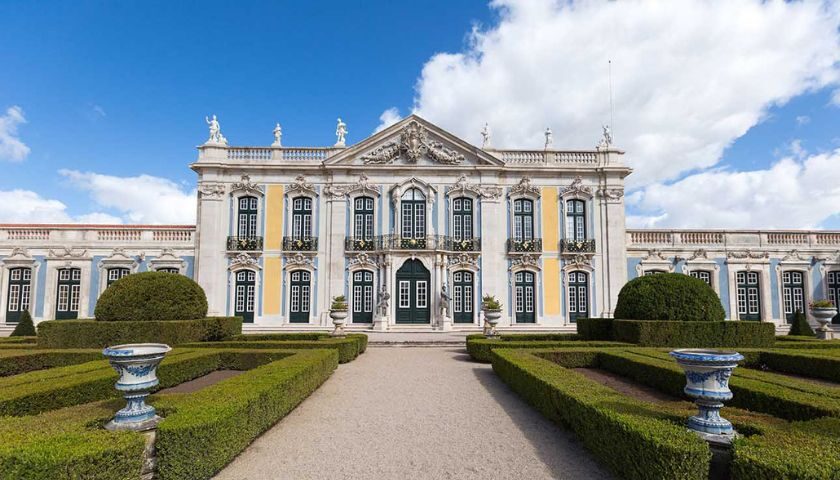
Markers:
<point>577,246</point>
<point>303,244</point>
<point>355,244</point>
<point>463,245</point>
<point>529,245</point>
<point>244,244</point>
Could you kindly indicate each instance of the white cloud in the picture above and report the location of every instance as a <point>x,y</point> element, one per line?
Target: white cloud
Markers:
<point>388,118</point>
<point>803,120</point>
<point>800,191</point>
<point>142,199</point>
<point>835,98</point>
<point>689,77</point>
<point>24,206</point>
<point>11,147</point>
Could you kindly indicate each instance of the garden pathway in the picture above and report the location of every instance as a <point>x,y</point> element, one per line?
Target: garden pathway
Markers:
<point>412,413</point>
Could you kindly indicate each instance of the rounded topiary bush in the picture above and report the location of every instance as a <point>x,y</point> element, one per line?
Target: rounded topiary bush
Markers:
<point>668,296</point>
<point>152,296</point>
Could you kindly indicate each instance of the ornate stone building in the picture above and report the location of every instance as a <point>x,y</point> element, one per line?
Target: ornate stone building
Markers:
<point>413,225</point>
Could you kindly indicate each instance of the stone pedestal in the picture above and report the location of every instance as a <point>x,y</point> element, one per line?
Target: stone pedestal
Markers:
<point>825,334</point>
<point>380,324</point>
<point>445,323</point>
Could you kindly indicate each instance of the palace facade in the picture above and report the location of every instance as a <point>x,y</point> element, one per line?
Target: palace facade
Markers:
<point>413,225</point>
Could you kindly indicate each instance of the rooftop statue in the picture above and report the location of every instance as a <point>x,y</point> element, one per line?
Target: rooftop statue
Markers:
<point>340,133</point>
<point>485,136</point>
<point>549,138</point>
<point>215,131</point>
<point>278,134</point>
<point>606,138</point>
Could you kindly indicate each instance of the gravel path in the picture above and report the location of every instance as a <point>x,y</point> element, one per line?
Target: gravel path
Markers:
<point>405,413</point>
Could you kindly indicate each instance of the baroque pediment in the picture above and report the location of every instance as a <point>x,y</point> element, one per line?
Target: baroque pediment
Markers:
<point>413,141</point>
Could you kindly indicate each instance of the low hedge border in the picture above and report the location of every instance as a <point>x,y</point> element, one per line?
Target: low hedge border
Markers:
<point>198,436</point>
<point>654,333</point>
<point>15,362</point>
<point>348,347</point>
<point>40,391</point>
<point>764,392</point>
<point>480,348</point>
<point>802,450</point>
<point>13,340</point>
<point>595,328</point>
<point>633,439</point>
<point>806,364</point>
<point>100,334</point>
<point>361,338</point>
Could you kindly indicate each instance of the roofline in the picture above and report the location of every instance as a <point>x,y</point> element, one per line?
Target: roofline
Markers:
<point>92,225</point>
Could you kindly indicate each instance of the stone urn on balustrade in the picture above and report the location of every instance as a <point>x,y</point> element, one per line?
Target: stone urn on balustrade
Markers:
<point>707,375</point>
<point>823,311</point>
<point>338,314</point>
<point>136,365</point>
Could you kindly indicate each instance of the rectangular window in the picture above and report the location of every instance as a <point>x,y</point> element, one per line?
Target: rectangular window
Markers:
<point>573,299</point>
<point>77,274</point>
<point>457,291</point>
<point>240,298</point>
<point>520,300</point>
<point>64,274</point>
<point>406,220</point>
<point>420,220</point>
<point>14,297</point>
<point>468,299</point>
<point>63,297</point>
<point>357,298</point>
<point>295,298</point>
<point>422,294</point>
<point>304,298</point>
<point>249,303</point>
<point>517,227</point>
<point>529,299</point>
<point>582,300</point>
<point>742,300</point>
<point>405,294</point>
<point>74,298</point>
<point>368,298</point>
<point>24,296</point>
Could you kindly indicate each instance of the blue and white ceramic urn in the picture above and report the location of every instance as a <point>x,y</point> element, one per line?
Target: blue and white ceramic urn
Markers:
<point>707,375</point>
<point>136,365</point>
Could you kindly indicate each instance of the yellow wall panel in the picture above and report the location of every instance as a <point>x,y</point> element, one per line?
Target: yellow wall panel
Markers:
<point>274,217</point>
<point>550,220</point>
<point>272,273</point>
<point>551,285</point>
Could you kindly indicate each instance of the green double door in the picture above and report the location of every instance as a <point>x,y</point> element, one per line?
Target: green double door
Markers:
<point>413,293</point>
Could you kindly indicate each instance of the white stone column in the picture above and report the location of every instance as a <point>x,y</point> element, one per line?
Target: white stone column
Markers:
<point>333,238</point>
<point>613,259</point>
<point>494,272</point>
<point>211,244</point>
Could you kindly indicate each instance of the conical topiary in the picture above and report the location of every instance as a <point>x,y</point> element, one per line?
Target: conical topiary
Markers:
<point>800,325</point>
<point>25,327</point>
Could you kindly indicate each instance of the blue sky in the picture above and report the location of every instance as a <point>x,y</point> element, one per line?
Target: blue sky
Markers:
<point>114,90</point>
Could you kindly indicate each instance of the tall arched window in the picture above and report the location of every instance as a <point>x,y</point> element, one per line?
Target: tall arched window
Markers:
<point>748,295</point>
<point>68,293</point>
<point>362,296</point>
<point>523,219</point>
<point>462,218</point>
<point>247,217</point>
<point>793,292</point>
<point>578,296</point>
<point>363,218</point>
<point>462,296</point>
<point>19,293</point>
<point>244,294</point>
<point>413,214</point>
<point>833,285</point>
<point>299,298</point>
<point>575,220</point>
<point>525,301</point>
<point>301,218</point>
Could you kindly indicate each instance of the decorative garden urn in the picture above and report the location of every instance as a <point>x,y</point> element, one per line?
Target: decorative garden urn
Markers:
<point>492,317</point>
<point>707,375</point>
<point>339,319</point>
<point>136,365</point>
<point>824,316</point>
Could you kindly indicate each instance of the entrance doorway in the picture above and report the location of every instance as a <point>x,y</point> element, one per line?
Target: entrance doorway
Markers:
<point>413,281</point>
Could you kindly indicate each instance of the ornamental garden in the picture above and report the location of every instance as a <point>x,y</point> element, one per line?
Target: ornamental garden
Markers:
<point>634,390</point>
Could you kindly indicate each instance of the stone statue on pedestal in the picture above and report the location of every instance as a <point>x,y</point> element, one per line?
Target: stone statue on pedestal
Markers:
<point>215,131</point>
<point>445,301</point>
<point>382,306</point>
<point>485,136</point>
<point>278,134</point>
<point>549,138</point>
<point>340,133</point>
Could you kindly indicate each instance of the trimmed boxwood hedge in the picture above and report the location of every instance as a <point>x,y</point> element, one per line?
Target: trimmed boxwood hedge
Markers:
<point>668,296</point>
<point>152,296</point>
<point>480,348</point>
<point>14,362</point>
<point>35,392</point>
<point>198,436</point>
<point>95,334</point>
<point>595,328</point>
<point>651,333</point>
<point>803,450</point>
<point>348,347</point>
<point>753,390</point>
<point>633,439</point>
<point>806,364</point>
